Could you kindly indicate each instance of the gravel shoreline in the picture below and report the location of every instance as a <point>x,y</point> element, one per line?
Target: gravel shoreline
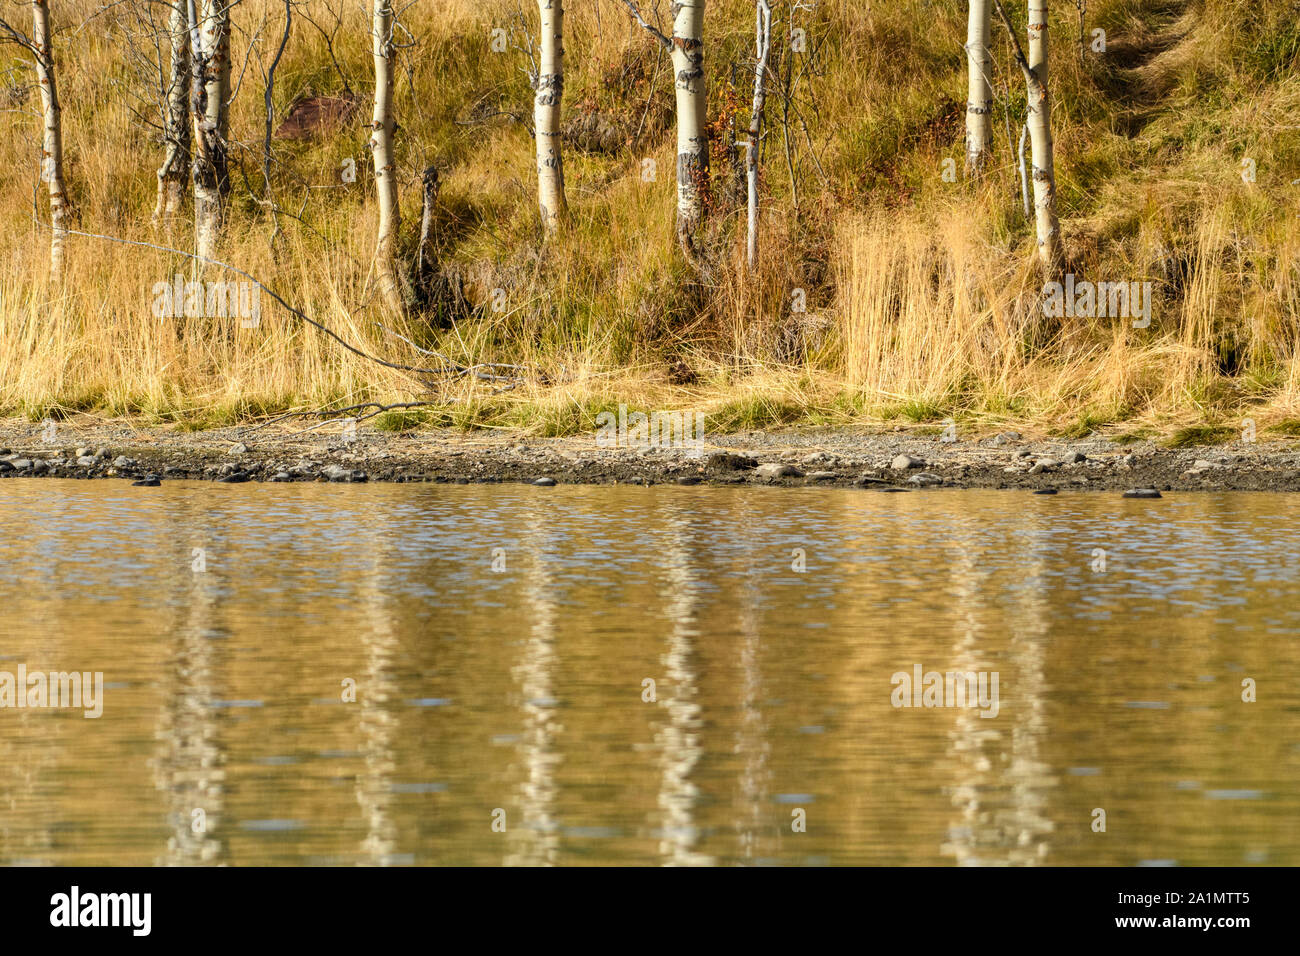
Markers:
<point>835,457</point>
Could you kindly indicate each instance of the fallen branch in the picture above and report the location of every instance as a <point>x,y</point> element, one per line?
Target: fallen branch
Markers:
<point>467,369</point>
<point>454,369</point>
<point>330,414</point>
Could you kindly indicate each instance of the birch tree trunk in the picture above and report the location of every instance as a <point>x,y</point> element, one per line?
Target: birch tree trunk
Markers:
<point>546,116</point>
<point>692,137</point>
<point>687,51</point>
<point>381,151</point>
<point>176,120</point>
<point>979,90</point>
<point>52,141</point>
<point>1050,252</point>
<point>211,88</point>
<point>426,255</point>
<point>1040,138</point>
<point>762,41</point>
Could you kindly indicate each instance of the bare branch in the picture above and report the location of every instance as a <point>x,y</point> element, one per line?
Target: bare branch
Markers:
<point>7,32</point>
<point>1015,40</point>
<point>663,41</point>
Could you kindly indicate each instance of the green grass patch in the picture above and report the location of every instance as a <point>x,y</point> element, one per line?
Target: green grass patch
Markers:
<point>1133,437</point>
<point>1201,435</point>
<point>406,420</point>
<point>1093,419</point>
<point>916,410</point>
<point>1288,426</point>
<point>755,412</point>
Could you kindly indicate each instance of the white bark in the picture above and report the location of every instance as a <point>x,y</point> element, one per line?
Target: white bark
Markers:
<point>210,39</point>
<point>426,260</point>
<point>979,90</point>
<point>176,118</point>
<point>381,151</point>
<point>52,141</point>
<point>1024,176</point>
<point>546,116</point>
<point>692,137</point>
<point>1050,252</point>
<point>762,42</point>
<point>1040,138</point>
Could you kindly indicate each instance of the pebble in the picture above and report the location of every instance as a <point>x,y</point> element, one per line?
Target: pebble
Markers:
<point>688,480</point>
<point>21,464</point>
<point>5,466</point>
<point>1044,464</point>
<point>235,478</point>
<point>904,462</point>
<point>1075,457</point>
<point>87,460</point>
<point>239,449</point>
<point>121,461</point>
<point>925,479</point>
<point>1142,493</point>
<point>778,470</point>
<point>150,482</point>
<point>339,473</point>
<point>822,475</point>
<point>282,476</point>
<point>84,452</point>
<point>545,482</point>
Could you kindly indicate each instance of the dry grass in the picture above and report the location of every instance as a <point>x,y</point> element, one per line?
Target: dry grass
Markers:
<point>921,295</point>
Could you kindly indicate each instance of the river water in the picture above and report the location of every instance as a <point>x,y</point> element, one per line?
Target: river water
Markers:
<point>460,674</point>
